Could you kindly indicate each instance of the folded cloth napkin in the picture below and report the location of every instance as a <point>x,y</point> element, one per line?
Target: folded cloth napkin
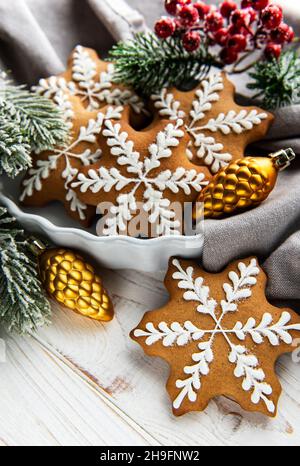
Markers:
<point>36,37</point>
<point>120,19</point>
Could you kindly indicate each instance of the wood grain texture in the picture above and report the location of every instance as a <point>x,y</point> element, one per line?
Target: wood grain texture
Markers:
<point>86,383</point>
<point>42,402</point>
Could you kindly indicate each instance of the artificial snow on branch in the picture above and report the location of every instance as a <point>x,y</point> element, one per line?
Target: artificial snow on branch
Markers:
<point>23,304</point>
<point>28,123</point>
<point>14,149</point>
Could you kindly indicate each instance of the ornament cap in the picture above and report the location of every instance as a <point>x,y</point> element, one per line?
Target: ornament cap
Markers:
<point>283,158</point>
<point>36,245</point>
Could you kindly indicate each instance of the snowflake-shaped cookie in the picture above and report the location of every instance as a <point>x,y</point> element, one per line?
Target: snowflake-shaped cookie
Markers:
<point>220,336</point>
<point>52,173</point>
<point>91,80</point>
<point>142,171</point>
<point>219,129</point>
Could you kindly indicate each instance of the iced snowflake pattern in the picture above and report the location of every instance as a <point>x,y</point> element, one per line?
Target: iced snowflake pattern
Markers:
<point>156,204</point>
<point>246,365</point>
<point>95,89</point>
<point>43,168</point>
<point>208,149</point>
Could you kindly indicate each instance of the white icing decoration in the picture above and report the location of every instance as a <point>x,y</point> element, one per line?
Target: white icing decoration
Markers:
<point>56,88</point>
<point>176,333</point>
<point>234,122</point>
<point>66,108</point>
<point>51,87</point>
<point>246,364</point>
<point>208,148</point>
<point>167,105</point>
<point>206,97</point>
<point>155,204</point>
<point>43,168</point>
<point>274,333</point>
<point>92,87</point>
<point>170,334</point>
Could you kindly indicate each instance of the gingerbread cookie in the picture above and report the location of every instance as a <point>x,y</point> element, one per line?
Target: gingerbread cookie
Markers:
<point>80,93</point>
<point>91,80</point>
<point>52,173</point>
<point>141,174</point>
<point>219,129</point>
<point>220,336</point>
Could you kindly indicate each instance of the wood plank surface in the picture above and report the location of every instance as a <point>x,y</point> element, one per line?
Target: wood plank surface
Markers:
<point>43,402</point>
<point>127,387</point>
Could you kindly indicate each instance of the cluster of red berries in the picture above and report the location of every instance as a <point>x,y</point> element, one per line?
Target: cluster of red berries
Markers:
<point>256,25</point>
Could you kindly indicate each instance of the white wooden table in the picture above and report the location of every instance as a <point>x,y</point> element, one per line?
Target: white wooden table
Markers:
<point>79,382</point>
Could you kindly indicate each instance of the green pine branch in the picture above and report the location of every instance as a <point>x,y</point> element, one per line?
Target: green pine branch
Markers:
<point>39,118</point>
<point>277,82</point>
<point>23,304</point>
<point>14,149</point>
<point>28,123</point>
<point>148,64</point>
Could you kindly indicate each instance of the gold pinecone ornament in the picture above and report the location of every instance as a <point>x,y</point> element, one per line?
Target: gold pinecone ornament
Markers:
<point>242,184</point>
<point>73,283</point>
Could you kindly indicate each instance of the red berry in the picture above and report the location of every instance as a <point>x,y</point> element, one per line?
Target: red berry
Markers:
<point>272,16</point>
<point>165,27</point>
<point>188,15</point>
<point>240,18</point>
<point>273,51</point>
<point>214,21</point>
<point>292,35</point>
<point>191,41</point>
<point>172,5</point>
<point>229,56</point>
<point>246,3</point>
<point>227,8</point>
<point>232,30</point>
<point>221,36</point>
<point>253,15</point>
<point>259,4</point>
<point>282,34</point>
<point>202,8</point>
<point>237,42</point>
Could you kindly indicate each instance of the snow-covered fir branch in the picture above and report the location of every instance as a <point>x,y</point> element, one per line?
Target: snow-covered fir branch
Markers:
<point>23,304</point>
<point>28,122</point>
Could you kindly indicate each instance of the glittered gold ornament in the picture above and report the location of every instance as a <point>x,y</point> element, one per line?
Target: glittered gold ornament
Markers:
<point>72,282</point>
<point>242,184</point>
